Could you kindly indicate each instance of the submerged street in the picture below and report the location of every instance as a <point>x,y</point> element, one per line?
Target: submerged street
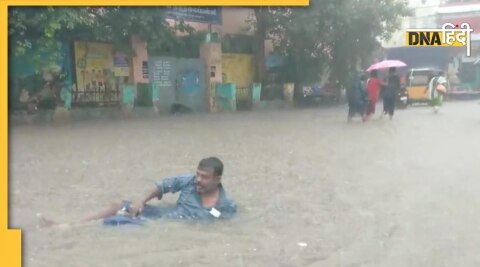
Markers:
<point>312,190</point>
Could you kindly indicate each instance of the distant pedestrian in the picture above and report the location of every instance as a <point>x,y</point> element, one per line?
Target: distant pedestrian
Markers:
<point>437,88</point>
<point>373,88</point>
<point>390,92</point>
<point>357,98</point>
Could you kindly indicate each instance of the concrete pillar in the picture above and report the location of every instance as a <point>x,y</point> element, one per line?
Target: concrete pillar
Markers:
<point>211,54</point>
<point>288,93</point>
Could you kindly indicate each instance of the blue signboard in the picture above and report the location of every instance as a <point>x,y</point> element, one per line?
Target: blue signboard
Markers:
<point>210,15</point>
<point>273,61</point>
<point>120,61</point>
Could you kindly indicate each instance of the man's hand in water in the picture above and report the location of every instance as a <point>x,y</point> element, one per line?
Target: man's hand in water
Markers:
<point>137,208</point>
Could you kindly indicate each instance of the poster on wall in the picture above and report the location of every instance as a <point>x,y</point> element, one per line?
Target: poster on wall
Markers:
<point>238,69</point>
<point>93,66</point>
<point>161,70</point>
<point>121,66</point>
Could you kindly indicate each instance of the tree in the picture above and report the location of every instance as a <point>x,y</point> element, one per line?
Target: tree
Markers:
<point>262,24</point>
<point>40,28</point>
<point>329,35</point>
<point>44,27</point>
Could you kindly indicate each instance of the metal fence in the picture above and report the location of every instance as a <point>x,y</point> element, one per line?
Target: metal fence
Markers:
<point>97,95</point>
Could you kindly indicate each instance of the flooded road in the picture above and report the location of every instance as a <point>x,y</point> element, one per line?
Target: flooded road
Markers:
<point>312,190</point>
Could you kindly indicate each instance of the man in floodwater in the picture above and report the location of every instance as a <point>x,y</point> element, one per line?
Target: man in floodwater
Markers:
<point>202,198</point>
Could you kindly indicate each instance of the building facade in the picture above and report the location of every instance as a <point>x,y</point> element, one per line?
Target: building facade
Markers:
<point>424,15</point>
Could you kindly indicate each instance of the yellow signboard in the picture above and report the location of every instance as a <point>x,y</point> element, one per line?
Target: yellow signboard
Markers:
<point>238,69</point>
<point>121,65</point>
<point>93,62</point>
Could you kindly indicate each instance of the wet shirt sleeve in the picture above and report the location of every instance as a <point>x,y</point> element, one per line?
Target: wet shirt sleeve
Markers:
<point>175,184</point>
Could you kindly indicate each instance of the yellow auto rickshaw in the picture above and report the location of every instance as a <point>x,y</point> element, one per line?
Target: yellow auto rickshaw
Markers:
<point>416,83</point>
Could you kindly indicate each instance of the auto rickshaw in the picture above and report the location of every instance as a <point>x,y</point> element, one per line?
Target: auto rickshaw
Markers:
<point>417,81</point>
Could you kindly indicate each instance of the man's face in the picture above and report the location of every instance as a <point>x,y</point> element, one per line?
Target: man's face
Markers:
<point>207,181</point>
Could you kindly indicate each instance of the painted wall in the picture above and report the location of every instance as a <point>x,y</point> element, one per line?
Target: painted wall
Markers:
<point>190,83</point>
<point>238,69</point>
<point>177,80</point>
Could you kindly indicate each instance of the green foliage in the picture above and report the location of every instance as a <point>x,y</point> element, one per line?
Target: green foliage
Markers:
<point>44,27</point>
<point>187,46</point>
<point>331,35</point>
<point>238,43</point>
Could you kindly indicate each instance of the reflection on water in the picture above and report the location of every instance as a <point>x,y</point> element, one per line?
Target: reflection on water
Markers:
<point>312,190</point>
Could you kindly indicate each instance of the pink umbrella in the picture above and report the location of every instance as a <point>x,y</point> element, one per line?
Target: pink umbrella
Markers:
<point>386,64</point>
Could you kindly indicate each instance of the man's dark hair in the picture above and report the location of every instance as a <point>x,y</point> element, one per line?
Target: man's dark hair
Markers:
<point>441,73</point>
<point>212,163</point>
<point>374,74</point>
<point>392,70</point>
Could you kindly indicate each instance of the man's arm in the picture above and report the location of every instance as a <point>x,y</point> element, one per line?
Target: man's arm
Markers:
<point>155,192</point>
<point>169,185</point>
<point>151,194</point>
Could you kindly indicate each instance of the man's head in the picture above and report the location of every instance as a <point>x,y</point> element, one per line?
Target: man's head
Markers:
<point>392,70</point>
<point>374,74</point>
<point>441,73</point>
<point>209,174</point>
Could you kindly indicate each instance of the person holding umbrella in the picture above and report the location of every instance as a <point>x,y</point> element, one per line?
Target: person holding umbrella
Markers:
<point>389,89</point>
<point>373,88</point>
<point>390,92</point>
